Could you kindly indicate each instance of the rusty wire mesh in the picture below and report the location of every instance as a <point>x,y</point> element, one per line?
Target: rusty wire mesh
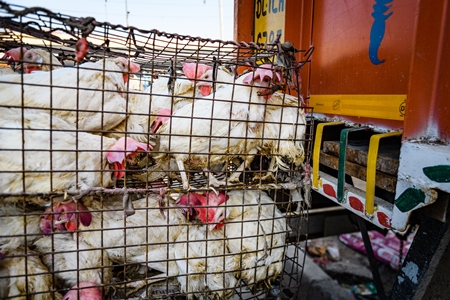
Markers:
<point>75,220</point>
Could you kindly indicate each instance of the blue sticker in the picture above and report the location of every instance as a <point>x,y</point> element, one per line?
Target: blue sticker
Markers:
<point>378,29</point>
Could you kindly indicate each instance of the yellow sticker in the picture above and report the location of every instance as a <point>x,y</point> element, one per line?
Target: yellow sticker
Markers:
<point>269,20</point>
<point>388,107</point>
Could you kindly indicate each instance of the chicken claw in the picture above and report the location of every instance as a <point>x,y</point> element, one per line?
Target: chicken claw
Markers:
<point>269,177</point>
<point>306,180</point>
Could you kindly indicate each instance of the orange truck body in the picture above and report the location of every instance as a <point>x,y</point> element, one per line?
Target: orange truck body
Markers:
<point>384,64</point>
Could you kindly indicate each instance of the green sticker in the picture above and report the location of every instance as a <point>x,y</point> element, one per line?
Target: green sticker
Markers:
<point>409,199</point>
<point>440,173</point>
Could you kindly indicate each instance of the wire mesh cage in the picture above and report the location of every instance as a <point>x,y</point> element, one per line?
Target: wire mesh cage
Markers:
<point>140,164</point>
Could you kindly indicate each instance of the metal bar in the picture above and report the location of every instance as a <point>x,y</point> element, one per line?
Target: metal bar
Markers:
<point>372,168</point>
<point>423,259</point>
<point>316,151</point>
<point>336,208</point>
<point>129,256</point>
<point>373,263</point>
<point>342,159</point>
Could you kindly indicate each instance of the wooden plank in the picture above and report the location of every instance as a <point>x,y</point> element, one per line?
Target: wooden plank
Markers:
<point>384,181</point>
<point>388,155</point>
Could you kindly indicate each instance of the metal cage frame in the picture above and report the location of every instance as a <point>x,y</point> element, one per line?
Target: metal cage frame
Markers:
<point>71,249</point>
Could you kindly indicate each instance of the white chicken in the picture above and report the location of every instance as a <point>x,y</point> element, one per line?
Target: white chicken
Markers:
<point>33,59</point>
<point>284,127</point>
<point>253,227</point>
<point>184,88</point>
<point>90,97</point>
<point>255,230</point>
<point>23,276</point>
<point>283,134</point>
<point>227,123</point>
<point>146,237</point>
<point>211,84</point>
<point>206,267</point>
<point>145,108</point>
<point>36,160</point>
<point>39,60</point>
<point>19,229</point>
<point>6,71</point>
<point>74,261</point>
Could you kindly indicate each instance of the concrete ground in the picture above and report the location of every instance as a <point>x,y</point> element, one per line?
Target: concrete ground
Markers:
<point>326,279</point>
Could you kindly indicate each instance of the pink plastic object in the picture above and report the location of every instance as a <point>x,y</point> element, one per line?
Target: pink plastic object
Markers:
<point>385,248</point>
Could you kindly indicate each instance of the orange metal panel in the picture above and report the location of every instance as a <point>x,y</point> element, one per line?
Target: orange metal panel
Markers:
<point>243,20</point>
<point>340,30</point>
<point>428,107</point>
<point>298,30</point>
<point>341,63</point>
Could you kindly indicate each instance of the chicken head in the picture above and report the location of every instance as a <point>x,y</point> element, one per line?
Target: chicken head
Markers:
<point>124,148</point>
<point>64,216</point>
<point>186,203</point>
<point>39,60</point>
<point>201,72</point>
<point>32,61</point>
<point>127,67</point>
<point>207,211</point>
<point>265,77</point>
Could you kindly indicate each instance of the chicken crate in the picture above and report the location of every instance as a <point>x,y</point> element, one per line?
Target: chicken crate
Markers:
<point>141,164</point>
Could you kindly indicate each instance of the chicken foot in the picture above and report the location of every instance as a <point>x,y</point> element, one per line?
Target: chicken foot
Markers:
<point>269,174</point>
<point>247,161</point>
<point>137,285</point>
<point>234,177</point>
<point>265,247</point>
<point>298,183</point>
<point>161,203</point>
<point>183,174</point>
<point>306,180</point>
<point>212,180</point>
